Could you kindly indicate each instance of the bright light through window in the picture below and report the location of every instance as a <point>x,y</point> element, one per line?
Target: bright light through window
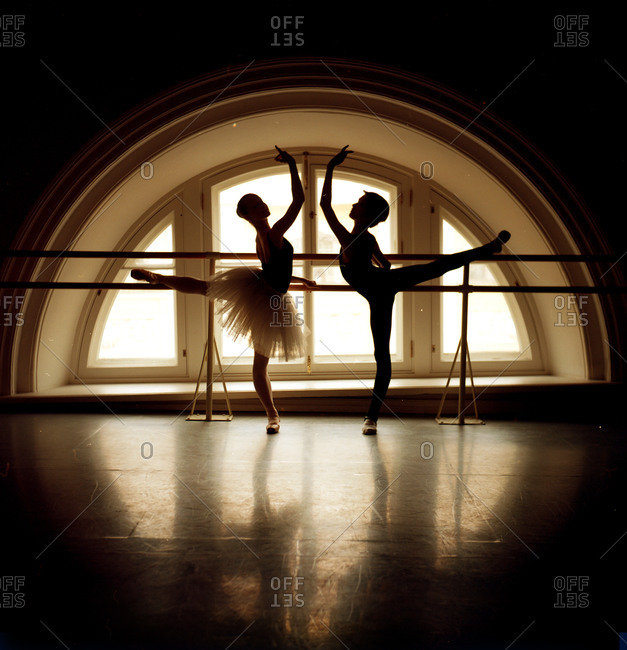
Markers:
<point>491,327</point>
<point>140,326</point>
<point>342,319</point>
<point>236,235</point>
<point>339,322</point>
<point>345,193</point>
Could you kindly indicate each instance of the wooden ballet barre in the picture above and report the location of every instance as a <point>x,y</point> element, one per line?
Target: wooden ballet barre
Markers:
<point>323,257</point>
<point>452,288</point>
<point>213,256</point>
<point>465,289</point>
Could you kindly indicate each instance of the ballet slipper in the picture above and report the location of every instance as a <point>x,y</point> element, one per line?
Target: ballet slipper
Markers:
<point>501,239</point>
<point>273,425</point>
<point>147,276</point>
<point>370,427</point>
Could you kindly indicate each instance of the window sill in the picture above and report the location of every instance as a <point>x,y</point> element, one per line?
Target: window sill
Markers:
<point>523,396</point>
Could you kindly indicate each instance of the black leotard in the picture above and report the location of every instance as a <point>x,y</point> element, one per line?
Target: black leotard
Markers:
<point>378,284</point>
<point>379,287</point>
<point>277,271</point>
<point>366,278</point>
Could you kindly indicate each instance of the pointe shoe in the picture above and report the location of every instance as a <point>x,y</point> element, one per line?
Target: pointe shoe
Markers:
<point>273,425</point>
<point>370,427</point>
<point>502,238</point>
<point>147,276</point>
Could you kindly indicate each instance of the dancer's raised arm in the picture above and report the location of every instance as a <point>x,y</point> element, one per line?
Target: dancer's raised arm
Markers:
<point>298,198</point>
<point>342,234</point>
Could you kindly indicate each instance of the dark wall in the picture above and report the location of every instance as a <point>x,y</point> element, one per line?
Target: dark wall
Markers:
<point>557,75</point>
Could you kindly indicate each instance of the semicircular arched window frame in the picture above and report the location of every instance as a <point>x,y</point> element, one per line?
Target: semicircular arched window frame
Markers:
<point>501,333</point>
<point>134,333</point>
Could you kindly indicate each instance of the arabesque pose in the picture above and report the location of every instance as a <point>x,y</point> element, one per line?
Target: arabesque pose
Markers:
<point>254,302</point>
<point>367,270</point>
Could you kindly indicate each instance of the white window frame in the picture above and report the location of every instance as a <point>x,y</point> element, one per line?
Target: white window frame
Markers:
<point>315,166</point>
<point>527,361</point>
<point>98,308</point>
<point>417,229</point>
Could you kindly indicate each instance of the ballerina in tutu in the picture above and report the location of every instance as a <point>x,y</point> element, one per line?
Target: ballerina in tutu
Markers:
<point>253,301</point>
<point>378,283</point>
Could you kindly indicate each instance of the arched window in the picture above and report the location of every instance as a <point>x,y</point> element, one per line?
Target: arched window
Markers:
<point>234,235</point>
<point>193,139</point>
<point>134,332</point>
<point>338,322</point>
<point>500,325</point>
<point>139,327</point>
<point>491,327</point>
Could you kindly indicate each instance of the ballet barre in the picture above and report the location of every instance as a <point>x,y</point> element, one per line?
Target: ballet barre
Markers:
<point>449,288</point>
<point>213,256</point>
<point>322,257</point>
<point>211,352</point>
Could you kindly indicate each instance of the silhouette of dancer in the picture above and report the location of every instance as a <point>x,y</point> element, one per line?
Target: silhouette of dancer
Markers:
<point>254,302</point>
<point>366,269</point>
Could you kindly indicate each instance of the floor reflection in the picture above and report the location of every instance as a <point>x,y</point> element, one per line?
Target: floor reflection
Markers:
<point>153,530</point>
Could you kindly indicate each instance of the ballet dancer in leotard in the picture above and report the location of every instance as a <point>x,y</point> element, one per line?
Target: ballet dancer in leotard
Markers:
<point>254,302</point>
<point>378,283</point>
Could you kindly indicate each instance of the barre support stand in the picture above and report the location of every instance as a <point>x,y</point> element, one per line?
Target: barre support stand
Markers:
<point>461,418</point>
<point>210,351</point>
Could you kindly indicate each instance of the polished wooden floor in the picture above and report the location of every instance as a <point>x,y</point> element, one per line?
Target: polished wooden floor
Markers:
<point>149,531</point>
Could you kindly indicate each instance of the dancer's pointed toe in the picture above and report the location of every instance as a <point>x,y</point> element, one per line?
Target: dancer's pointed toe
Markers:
<point>504,236</point>
<point>496,245</point>
<point>146,276</point>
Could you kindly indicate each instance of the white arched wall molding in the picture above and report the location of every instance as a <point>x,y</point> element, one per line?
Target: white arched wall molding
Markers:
<point>92,206</point>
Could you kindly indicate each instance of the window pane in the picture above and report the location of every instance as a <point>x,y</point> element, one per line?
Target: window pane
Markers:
<point>491,327</point>
<point>162,243</point>
<point>345,193</point>
<point>342,319</point>
<point>339,321</point>
<point>140,327</point>
<point>238,236</point>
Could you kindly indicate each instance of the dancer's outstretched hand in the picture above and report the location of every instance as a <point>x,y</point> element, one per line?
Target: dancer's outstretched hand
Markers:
<point>283,156</point>
<point>340,157</point>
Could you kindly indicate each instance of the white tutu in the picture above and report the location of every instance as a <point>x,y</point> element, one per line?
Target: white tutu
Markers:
<point>251,309</point>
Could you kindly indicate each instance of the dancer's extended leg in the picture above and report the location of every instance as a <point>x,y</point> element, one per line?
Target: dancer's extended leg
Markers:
<point>181,283</point>
<point>408,276</point>
<point>261,381</point>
